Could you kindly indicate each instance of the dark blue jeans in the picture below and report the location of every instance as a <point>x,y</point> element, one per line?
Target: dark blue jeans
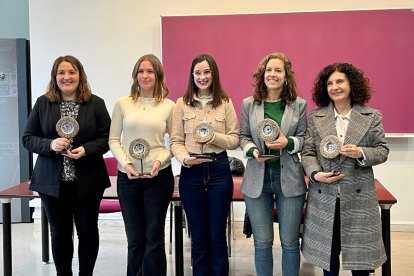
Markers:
<point>144,204</point>
<point>62,212</point>
<point>206,191</point>
<point>336,247</point>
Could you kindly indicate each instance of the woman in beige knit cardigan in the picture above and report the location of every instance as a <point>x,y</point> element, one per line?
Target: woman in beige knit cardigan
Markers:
<point>206,184</point>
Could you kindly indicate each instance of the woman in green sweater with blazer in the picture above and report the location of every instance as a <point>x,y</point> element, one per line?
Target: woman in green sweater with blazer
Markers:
<point>282,177</point>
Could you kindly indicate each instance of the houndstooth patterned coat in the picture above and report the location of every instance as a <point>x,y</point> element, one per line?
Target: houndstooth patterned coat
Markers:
<point>361,238</point>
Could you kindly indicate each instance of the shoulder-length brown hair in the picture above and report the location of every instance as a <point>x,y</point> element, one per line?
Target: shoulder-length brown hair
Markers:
<point>361,89</point>
<point>216,89</point>
<point>83,92</point>
<point>289,92</point>
<point>160,85</point>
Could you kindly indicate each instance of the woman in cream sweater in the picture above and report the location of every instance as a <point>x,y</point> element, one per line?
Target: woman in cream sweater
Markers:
<point>146,113</point>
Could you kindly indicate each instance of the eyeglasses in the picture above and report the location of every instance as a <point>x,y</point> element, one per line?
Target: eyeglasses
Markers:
<point>206,73</point>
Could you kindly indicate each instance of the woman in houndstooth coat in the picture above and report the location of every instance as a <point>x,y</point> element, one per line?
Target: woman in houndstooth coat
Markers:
<point>342,210</point>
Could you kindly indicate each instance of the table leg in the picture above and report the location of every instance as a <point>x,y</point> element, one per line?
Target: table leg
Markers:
<point>45,236</point>
<point>386,236</point>
<point>171,227</point>
<point>178,228</point>
<point>229,234</point>
<point>7,237</point>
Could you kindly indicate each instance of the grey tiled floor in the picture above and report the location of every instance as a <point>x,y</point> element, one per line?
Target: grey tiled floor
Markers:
<point>113,250</point>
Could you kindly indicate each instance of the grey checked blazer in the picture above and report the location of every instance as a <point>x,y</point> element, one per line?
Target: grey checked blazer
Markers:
<point>293,125</point>
<point>361,239</point>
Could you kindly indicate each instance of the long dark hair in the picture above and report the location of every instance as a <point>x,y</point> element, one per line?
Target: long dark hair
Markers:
<point>218,93</point>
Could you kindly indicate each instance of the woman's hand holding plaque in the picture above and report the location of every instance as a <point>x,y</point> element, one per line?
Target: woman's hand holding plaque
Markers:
<point>268,131</point>
<point>203,134</point>
<point>330,148</point>
<point>66,127</point>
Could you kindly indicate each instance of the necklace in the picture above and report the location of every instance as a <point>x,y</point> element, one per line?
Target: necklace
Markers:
<point>144,103</point>
<point>205,96</point>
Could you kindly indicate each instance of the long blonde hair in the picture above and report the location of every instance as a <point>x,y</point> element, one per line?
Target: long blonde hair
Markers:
<point>160,85</point>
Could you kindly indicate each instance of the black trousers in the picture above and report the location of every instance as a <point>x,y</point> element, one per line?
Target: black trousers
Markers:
<point>144,204</point>
<point>62,212</point>
<point>336,247</point>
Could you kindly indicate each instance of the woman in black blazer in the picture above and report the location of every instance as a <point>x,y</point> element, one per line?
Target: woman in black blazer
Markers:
<point>70,185</point>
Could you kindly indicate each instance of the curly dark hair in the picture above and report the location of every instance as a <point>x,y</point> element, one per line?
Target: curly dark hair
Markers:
<point>361,88</point>
<point>289,92</point>
<point>83,92</point>
<point>216,89</point>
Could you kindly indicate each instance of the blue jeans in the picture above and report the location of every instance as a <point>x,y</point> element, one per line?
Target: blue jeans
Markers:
<point>260,212</point>
<point>206,191</point>
<point>144,204</point>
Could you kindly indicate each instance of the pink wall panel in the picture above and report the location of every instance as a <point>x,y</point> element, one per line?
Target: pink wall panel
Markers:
<point>380,42</point>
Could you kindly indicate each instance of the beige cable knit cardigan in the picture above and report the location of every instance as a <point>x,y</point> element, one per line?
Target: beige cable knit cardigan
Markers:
<point>186,118</point>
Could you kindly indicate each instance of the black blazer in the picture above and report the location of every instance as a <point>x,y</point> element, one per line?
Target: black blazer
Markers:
<point>94,123</point>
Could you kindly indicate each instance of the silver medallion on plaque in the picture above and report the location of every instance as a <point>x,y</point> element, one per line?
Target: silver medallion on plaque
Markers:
<point>203,133</point>
<point>67,127</point>
<point>139,149</point>
<point>330,146</point>
<point>268,130</point>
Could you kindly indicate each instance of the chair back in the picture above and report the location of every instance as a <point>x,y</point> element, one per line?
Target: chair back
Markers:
<point>237,167</point>
<point>112,166</point>
<point>110,206</point>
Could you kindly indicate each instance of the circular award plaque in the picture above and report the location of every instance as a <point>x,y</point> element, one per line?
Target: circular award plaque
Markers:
<point>330,146</point>
<point>203,132</point>
<point>67,127</point>
<point>139,148</point>
<point>268,130</point>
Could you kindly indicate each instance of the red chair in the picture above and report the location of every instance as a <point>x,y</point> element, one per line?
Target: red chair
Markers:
<point>237,196</point>
<point>110,206</point>
<point>112,166</point>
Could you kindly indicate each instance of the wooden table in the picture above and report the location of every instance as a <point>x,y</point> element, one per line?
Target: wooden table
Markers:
<point>385,200</point>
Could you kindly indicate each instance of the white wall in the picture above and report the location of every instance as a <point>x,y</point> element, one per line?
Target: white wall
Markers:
<point>109,36</point>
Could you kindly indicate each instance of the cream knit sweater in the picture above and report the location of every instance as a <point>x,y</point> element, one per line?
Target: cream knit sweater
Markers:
<point>142,119</point>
